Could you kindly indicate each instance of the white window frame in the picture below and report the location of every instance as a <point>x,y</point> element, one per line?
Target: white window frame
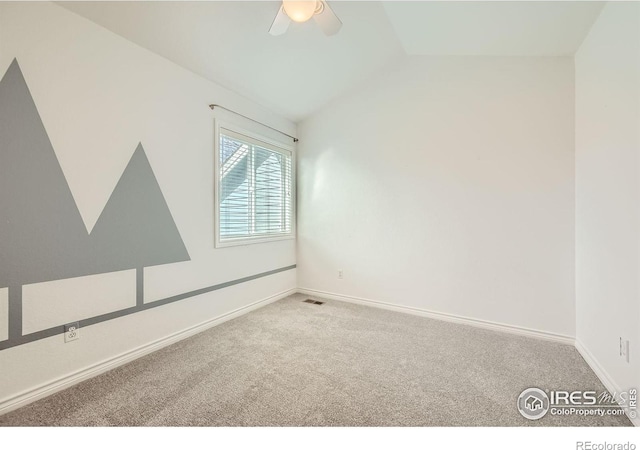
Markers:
<point>269,144</point>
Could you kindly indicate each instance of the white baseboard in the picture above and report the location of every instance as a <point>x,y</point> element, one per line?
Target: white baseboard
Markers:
<point>602,374</point>
<point>44,390</point>
<point>487,325</point>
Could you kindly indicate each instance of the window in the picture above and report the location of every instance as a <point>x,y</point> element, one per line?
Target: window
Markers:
<point>254,190</point>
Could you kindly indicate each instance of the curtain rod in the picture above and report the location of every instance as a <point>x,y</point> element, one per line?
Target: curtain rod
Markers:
<point>213,105</point>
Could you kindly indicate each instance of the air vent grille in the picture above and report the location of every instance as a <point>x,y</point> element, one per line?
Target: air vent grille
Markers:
<point>313,302</point>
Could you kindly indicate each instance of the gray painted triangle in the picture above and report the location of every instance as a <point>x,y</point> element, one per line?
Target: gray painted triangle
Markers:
<point>42,236</point>
<point>136,228</point>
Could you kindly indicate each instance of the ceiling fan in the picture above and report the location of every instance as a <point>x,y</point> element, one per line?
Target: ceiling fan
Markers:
<point>301,11</point>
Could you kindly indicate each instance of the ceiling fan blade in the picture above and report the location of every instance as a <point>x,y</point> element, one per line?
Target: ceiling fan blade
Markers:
<point>280,23</point>
<point>327,20</point>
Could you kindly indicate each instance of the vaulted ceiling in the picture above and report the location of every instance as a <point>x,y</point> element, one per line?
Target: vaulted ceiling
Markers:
<point>297,73</point>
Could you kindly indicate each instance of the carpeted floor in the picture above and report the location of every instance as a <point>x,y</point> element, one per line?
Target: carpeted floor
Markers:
<point>293,363</point>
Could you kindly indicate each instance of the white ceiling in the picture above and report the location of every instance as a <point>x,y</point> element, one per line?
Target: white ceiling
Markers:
<point>297,73</point>
<point>492,28</point>
<point>228,42</point>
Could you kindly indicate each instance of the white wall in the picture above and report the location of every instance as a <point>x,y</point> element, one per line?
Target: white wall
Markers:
<point>4,314</point>
<point>608,192</point>
<point>446,184</point>
<point>98,96</point>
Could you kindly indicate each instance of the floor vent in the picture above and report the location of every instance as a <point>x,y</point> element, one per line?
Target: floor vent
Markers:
<point>313,302</point>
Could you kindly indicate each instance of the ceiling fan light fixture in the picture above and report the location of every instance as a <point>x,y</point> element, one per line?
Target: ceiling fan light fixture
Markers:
<point>300,11</point>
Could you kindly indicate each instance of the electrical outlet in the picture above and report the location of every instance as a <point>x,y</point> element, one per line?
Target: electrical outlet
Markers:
<point>340,274</point>
<point>624,349</point>
<point>71,332</point>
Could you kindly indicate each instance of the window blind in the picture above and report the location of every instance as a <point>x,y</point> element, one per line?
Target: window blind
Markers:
<point>255,188</point>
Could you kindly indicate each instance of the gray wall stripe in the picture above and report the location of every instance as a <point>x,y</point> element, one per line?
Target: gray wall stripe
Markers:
<point>139,286</point>
<point>15,312</point>
<point>19,340</point>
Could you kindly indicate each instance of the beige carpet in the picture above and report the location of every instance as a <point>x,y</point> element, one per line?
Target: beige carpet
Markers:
<point>293,363</point>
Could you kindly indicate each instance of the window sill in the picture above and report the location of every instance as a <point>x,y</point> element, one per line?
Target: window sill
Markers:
<point>253,240</point>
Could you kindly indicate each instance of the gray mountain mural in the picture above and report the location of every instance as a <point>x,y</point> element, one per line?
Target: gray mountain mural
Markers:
<point>42,235</point>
